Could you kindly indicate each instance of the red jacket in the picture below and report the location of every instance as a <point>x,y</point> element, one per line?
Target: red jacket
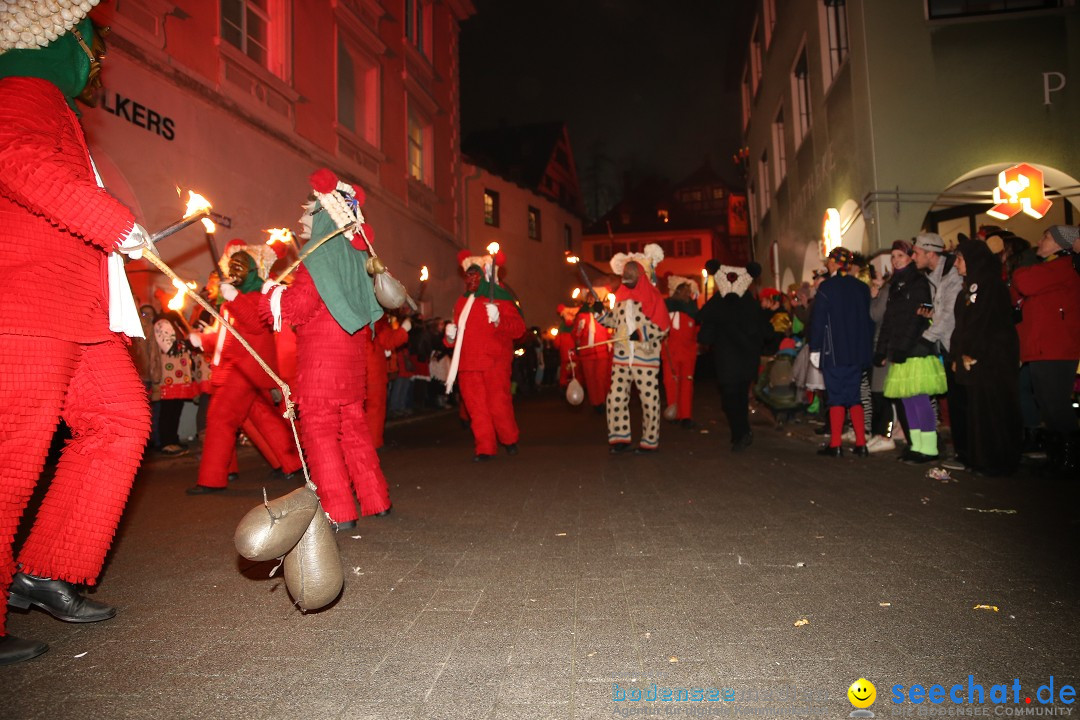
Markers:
<point>56,224</point>
<point>387,339</point>
<point>486,345</point>
<point>1050,296</point>
<point>244,315</point>
<point>585,325</point>
<point>682,341</point>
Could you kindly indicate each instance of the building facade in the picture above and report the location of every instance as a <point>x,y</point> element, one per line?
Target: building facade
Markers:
<point>866,122</point>
<point>240,100</point>
<point>698,219</point>
<point>521,190</point>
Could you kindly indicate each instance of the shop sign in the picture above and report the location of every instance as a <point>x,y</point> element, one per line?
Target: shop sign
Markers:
<point>138,114</point>
<point>1020,189</point>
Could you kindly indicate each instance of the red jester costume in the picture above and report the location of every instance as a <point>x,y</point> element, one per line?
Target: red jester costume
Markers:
<point>65,308</point>
<point>485,326</point>
<point>594,354</point>
<point>332,305</point>
<point>680,349</point>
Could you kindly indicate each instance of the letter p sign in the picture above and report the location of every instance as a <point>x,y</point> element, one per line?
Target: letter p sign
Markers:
<point>1052,82</point>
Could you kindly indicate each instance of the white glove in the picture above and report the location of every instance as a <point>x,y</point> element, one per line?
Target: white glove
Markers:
<point>228,291</point>
<point>135,242</point>
<point>815,359</point>
<point>492,313</point>
<point>451,332</point>
<point>195,340</point>
<point>269,285</point>
<point>406,324</point>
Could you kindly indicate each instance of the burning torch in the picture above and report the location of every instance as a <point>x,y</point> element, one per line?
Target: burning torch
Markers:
<point>493,250</point>
<point>198,210</point>
<point>423,282</point>
<point>576,261</point>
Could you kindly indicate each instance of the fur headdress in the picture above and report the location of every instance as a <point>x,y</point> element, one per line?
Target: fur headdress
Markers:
<point>264,256</point>
<point>674,282</point>
<point>650,256</point>
<point>467,260</point>
<point>28,24</point>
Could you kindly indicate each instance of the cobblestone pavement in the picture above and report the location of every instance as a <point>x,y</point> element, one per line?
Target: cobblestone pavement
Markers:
<point>543,585</point>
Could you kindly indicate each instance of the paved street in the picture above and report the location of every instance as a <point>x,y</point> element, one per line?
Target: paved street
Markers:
<point>529,587</point>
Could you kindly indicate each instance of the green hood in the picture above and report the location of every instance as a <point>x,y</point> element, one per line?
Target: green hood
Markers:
<point>62,62</point>
<point>340,276</point>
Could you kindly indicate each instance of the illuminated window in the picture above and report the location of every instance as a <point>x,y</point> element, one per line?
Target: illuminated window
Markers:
<point>662,215</point>
<point>255,28</point>
<point>417,24</point>
<point>534,223</point>
<point>357,92</point>
<point>800,91</point>
<point>419,149</point>
<point>833,16</point>
<point>780,163</point>
<point>491,208</point>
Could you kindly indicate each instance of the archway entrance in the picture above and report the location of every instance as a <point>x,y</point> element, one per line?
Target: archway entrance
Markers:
<point>963,206</point>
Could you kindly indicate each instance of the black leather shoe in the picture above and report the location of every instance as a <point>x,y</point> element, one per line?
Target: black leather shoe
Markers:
<point>512,449</point>
<point>13,649</point>
<point>56,597</point>
<point>347,525</point>
<point>385,512</point>
<point>480,457</point>
<point>203,490</point>
<point>646,451</point>
<point>688,424</point>
<point>232,477</point>
<point>619,448</point>
<point>827,451</point>
<point>742,443</point>
<point>860,451</point>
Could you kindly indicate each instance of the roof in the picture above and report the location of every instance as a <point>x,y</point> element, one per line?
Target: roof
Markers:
<point>519,154</point>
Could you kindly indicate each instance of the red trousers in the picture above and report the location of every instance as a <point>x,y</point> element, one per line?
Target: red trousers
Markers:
<point>375,404</point>
<point>596,376</point>
<point>486,394</point>
<point>679,382</point>
<point>341,458</point>
<point>97,392</point>
<point>232,404</point>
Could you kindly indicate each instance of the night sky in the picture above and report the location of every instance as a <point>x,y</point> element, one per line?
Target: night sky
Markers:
<point>647,87</point>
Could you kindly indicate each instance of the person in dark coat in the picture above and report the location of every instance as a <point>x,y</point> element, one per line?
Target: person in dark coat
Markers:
<point>914,372</point>
<point>985,354</point>
<point>841,338</point>
<point>735,325</point>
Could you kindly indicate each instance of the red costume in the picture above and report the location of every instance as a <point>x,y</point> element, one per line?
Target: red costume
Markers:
<point>331,384</point>
<point>484,352</point>
<point>680,355</point>
<point>387,339</point>
<point>241,396</point>
<point>593,362</point>
<point>58,356</point>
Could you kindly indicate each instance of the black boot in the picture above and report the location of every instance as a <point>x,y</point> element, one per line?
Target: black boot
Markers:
<point>13,649</point>
<point>56,597</point>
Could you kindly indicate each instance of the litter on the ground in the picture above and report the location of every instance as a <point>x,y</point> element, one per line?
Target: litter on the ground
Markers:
<point>80,655</point>
<point>560,534</point>
<point>884,604</point>
<point>992,510</point>
<point>986,607</point>
<point>925,500</point>
<point>704,431</point>
<point>801,621</point>
<point>939,473</point>
<point>673,659</point>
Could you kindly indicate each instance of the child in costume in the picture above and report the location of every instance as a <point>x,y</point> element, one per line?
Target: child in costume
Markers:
<point>332,305</point>
<point>680,349</point>
<point>594,354</point>
<point>639,323</point>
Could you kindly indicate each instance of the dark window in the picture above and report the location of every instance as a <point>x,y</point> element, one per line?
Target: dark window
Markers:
<point>245,24</point>
<point>960,8</point>
<point>534,223</point>
<point>801,78</point>
<point>836,19</point>
<point>568,237</point>
<point>491,208</point>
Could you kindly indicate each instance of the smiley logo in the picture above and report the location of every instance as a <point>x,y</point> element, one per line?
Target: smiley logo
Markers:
<point>862,693</point>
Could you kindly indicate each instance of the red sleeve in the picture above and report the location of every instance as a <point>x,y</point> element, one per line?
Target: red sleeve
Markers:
<point>388,338</point>
<point>45,167</point>
<point>300,301</point>
<point>511,324</point>
<point>245,312</point>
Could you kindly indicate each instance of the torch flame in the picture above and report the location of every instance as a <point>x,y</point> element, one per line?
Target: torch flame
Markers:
<point>520,352</point>
<point>281,235</point>
<point>423,274</point>
<point>554,332</point>
<point>209,226</point>
<point>196,205</point>
<point>573,259</point>
<point>177,302</point>
<point>493,247</point>
<point>611,300</point>
<point>576,293</point>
